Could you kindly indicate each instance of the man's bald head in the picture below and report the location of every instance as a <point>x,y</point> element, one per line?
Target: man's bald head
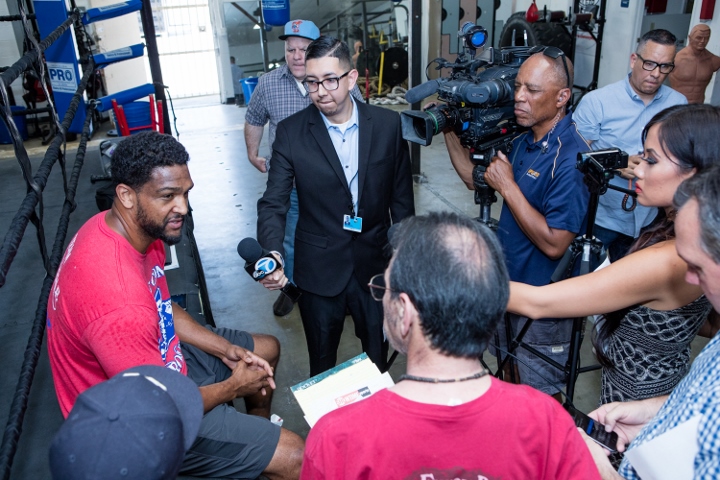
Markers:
<point>556,72</point>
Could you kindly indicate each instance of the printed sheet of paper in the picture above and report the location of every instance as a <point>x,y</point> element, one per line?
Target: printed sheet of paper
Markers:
<point>354,380</point>
<point>670,456</point>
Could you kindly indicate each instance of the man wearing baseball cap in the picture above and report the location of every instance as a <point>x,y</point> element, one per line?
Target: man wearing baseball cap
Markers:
<point>135,426</point>
<point>278,95</point>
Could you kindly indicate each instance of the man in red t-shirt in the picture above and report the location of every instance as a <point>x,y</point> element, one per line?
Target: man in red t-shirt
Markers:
<point>110,310</point>
<point>443,295</point>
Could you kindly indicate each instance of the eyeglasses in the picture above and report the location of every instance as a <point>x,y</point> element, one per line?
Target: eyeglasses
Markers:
<point>649,65</point>
<point>554,53</point>
<point>329,84</point>
<point>377,287</point>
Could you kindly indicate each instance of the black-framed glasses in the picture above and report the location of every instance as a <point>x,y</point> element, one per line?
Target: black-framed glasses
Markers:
<point>329,84</point>
<point>649,65</point>
<point>378,287</point>
<point>554,53</point>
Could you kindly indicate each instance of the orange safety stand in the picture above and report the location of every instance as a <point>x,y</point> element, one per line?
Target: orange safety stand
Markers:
<point>156,118</point>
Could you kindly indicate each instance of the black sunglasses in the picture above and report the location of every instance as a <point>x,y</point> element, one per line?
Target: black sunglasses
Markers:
<point>554,53</point>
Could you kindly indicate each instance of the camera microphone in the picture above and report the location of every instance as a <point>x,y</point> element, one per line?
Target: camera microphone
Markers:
<point>260,263</point>
<point>424,90</point>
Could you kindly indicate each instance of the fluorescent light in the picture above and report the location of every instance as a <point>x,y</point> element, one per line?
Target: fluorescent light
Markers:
<point>256,27</point>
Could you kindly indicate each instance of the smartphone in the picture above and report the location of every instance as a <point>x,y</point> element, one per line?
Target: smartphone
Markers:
<point>594,430</point>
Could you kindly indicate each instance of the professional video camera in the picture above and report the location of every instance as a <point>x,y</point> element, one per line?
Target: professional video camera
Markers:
<point>479,105</point>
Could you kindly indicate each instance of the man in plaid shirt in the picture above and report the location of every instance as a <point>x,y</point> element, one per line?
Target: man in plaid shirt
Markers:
<point>697,397</point>
<point>278,95</point>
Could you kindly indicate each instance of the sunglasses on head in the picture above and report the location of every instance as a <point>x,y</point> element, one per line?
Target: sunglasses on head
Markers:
<point>554,53</point>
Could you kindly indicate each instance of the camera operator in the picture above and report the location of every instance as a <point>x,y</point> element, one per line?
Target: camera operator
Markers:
<point>613,116</point>
<point>545,200</point>
<point>698,243</point>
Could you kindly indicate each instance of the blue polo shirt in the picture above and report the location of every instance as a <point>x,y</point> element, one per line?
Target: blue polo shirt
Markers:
<point>614,116</point>
<point>555,188</point>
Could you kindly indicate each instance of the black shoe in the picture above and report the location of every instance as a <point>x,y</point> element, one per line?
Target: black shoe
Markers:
<point>283,305</point>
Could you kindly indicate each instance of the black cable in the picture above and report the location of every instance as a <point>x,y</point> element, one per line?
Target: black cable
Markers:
<point>172,108</point>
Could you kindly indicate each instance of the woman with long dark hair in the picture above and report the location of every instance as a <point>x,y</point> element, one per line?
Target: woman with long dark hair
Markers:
<point>650,314</point>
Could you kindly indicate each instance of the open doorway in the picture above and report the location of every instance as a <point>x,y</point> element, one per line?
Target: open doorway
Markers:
<point>185,43</point>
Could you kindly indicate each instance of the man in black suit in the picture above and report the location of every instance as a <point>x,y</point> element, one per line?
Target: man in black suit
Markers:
<point>352,172</point>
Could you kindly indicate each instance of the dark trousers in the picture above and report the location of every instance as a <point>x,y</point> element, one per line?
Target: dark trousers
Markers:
<point>323,319</point>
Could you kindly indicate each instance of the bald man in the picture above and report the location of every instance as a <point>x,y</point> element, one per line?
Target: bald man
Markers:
<point>694,66</point>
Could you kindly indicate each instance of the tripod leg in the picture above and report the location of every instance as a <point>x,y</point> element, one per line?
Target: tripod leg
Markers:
<point>508,364</point>
<point>571,367</point>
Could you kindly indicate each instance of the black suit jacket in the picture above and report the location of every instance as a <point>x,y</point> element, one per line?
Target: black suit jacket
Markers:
<point>326,254</point>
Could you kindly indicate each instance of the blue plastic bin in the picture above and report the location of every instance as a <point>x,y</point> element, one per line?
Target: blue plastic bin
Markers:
<point>248,86</point>
<point>21,125</point>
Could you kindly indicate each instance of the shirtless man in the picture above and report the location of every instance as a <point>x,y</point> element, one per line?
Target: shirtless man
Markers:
<point>694,66</point>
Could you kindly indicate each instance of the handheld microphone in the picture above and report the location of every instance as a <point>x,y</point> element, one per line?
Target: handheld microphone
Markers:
<point>260,263</point>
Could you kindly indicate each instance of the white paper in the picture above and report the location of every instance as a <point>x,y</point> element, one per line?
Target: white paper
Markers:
<point>347,383</point>
<point>670,456</point>
<point>342,398</point>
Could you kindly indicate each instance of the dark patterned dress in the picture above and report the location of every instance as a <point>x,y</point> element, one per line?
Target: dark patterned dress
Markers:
<point>650,351</point>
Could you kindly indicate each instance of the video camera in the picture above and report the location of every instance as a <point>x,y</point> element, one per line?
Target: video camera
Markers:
<point>600,166</point>
<point>479,106</point>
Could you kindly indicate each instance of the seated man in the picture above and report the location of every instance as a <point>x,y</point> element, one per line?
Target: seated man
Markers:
<point>110,310</point>
<point>446,418</point>
<point>697,228</point>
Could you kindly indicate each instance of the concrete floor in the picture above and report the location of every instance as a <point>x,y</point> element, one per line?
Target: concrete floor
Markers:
<point>224,201</point>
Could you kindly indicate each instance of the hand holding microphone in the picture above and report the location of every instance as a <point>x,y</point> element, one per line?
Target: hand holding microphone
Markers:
<point>266,267</point>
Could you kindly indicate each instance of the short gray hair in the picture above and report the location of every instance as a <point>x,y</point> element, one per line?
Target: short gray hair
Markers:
<point>704,187</point>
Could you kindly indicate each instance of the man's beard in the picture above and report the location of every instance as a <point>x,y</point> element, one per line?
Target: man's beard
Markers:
<point>157,230</point>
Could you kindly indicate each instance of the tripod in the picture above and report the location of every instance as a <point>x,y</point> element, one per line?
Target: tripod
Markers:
<point>598,169</point>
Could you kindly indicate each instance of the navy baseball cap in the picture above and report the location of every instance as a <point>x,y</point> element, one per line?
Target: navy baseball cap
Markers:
<point>137,425</point>
<point>301,28</point>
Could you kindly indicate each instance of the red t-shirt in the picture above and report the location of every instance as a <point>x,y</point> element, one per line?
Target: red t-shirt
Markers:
<point>510,432</point>
<point>109,310</point>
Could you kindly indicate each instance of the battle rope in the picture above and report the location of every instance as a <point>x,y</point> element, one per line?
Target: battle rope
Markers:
<point>27,212</point>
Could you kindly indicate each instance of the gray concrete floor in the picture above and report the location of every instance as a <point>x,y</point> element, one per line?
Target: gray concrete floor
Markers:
<point>224,201</point>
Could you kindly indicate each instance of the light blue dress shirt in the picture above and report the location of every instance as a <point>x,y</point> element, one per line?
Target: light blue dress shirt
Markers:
<point>614,116</point>
<point>344,137</point>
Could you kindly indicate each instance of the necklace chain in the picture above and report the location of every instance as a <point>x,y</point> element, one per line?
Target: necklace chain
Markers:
<point>474,376</point>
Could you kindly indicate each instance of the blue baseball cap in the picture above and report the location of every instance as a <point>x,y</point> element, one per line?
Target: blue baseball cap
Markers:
<point>135,426</point>
<point>301,28</point>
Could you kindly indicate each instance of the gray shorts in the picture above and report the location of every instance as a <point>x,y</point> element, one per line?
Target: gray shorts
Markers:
<point>230,444</point>
<point>551,337</point>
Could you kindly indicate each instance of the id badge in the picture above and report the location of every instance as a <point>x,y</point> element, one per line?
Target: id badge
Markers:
<point>352,224</point>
